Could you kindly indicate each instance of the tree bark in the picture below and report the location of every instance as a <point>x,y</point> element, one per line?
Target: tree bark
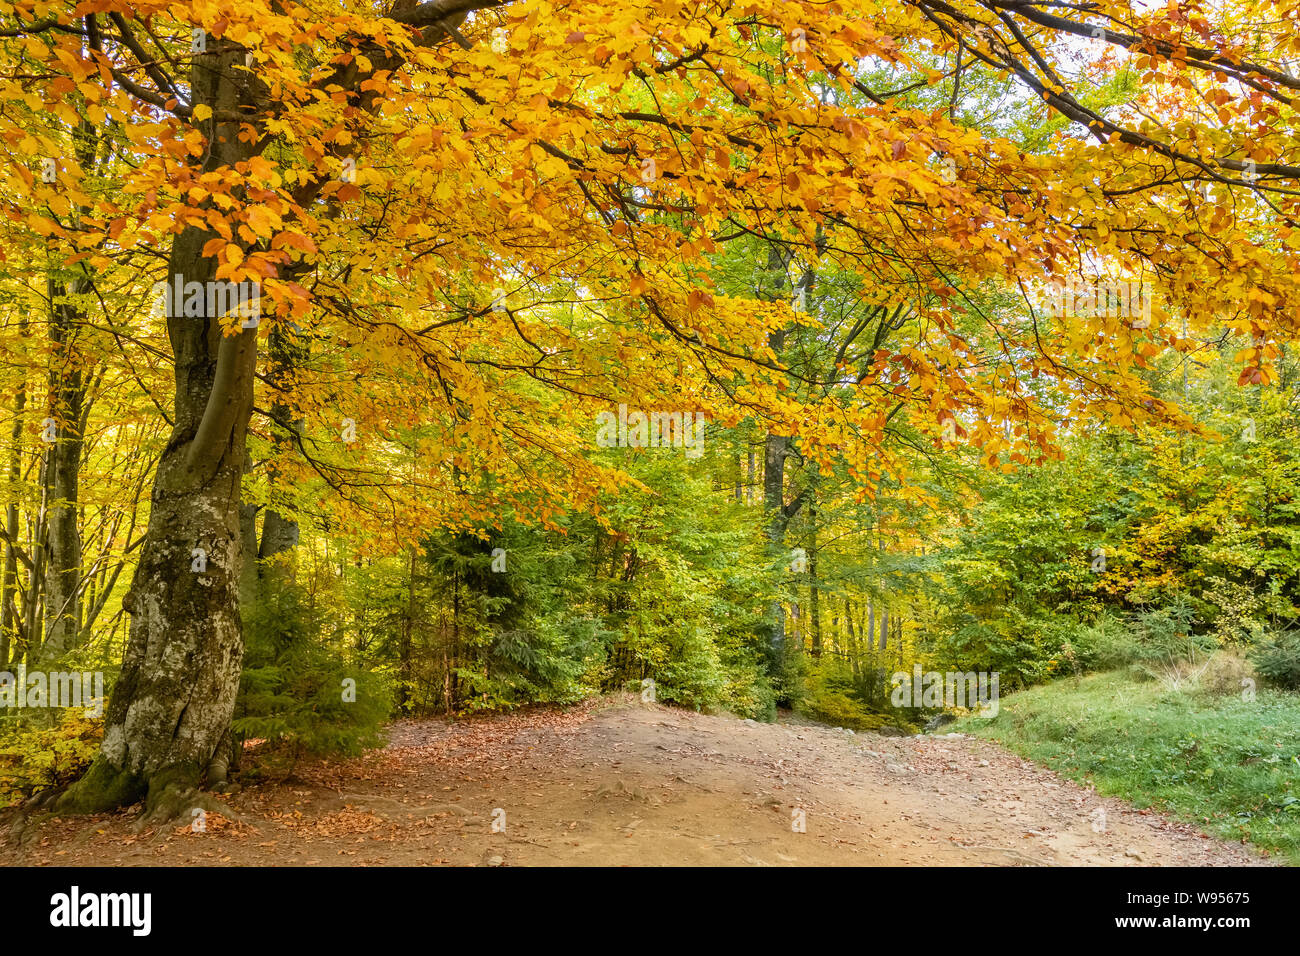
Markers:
<point>9,617</point>
<point>63,472</point>
<point>169,714</point>
<point>814,608</point>
<point>871,623</point>
<point>69,408</point>
<point>280,530</point>
<point>775,450</point>
<point>852,638</point>
<point>408,631</point>
<point>248,544</point>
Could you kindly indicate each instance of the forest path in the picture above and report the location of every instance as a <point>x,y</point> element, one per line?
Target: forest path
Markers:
<point>619,782</point>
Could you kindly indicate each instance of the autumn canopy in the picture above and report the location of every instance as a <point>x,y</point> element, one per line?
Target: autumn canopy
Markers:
<point>476,226</point>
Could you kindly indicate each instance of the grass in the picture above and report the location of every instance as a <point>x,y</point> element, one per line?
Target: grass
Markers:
<point>1229,765</point>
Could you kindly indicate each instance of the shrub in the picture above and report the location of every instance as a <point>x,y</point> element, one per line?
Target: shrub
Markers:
<point>556,661</point>
<point>295,692</point>
<point>1106,644</point>
<point>33,759</point>
<point>1277,658</point>
<point>833,695</point>
<point>1165,646</point>
<point>1014,643</point>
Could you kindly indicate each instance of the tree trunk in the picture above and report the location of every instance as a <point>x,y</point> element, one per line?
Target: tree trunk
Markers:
<point>775,448</point>
<point>280,530</point>
<point>62,473</point>
<point>814,608</point>
<point>69,409</point>
<point>851,645</point>
<point>9,617</point>
<point>871,623</point>
<point>167,723</point>
<point>248,544</point>
<point>408,630</point>
<point>32,597</point>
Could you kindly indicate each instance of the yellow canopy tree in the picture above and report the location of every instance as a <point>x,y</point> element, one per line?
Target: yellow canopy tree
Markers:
<point>458,205</point>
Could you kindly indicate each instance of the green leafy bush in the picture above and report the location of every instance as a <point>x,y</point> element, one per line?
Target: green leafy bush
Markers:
<point>299,694</point>
<point>551,662</point>
<point>1277,659</point>
<point>34,758</point>
<point>835,695</point>
<point>1105,644</point>
<point>1165,645</point>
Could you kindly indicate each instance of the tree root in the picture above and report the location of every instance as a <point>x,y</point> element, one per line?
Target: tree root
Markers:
<point>26,826</point>
<point>169,796</point>
<point>178,800</point>
<point>103,788</point>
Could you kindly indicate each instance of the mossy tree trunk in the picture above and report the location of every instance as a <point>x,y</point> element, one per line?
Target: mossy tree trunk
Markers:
<point>167,723</point>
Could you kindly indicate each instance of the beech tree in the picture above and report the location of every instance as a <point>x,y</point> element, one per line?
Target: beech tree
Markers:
<point>454,207</point>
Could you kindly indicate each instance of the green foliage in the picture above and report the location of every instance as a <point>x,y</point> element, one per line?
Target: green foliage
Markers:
<point>834,694</point>
<point>295,688</point>
<point>1163,638</point>
<point>1277,658</point>
<point>664,589</point>
<point>35,757</point>
<point>1146,550</point>
<point>551,662</point>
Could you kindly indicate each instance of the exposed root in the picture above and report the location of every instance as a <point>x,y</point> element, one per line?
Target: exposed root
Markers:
<point>179,801</point>
<point>24,821</point>
<point>26,827</point>
<point>102,789</point>
<point>169,796</point>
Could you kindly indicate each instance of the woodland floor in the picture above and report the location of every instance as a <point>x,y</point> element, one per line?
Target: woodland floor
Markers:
<point>622,783</point>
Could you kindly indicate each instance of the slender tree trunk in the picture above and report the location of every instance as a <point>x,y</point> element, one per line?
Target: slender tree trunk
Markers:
<point>9,619</point>
<point>248,582</point>
<point>63,472</point>
<point>776,448</point>
<point>870,630</point>
<point>852,638</point>
<point>32,597</point>
<point>814,607</point>
<point>453,681</point>
<point>280,529</point>
<point>408,629</point>
<point>69,409</point>
<point>279,536</point>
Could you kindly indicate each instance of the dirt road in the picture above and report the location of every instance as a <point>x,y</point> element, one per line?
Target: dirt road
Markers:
<point>617,783</point>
